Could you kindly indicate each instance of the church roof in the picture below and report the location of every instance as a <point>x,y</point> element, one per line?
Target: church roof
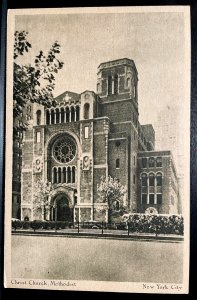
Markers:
<point>67,96</point>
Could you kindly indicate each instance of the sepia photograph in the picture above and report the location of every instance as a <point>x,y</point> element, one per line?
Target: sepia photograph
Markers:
<point>98,149</point>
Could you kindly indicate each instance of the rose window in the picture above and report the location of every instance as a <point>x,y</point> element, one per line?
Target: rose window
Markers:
<point>64,149</point>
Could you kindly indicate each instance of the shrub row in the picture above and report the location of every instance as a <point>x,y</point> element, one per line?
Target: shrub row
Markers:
<point>144,223</point>
<point>35,225</point>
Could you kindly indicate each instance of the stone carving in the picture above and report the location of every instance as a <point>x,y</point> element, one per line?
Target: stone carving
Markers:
<point>67,98</point>
<point>86,163</point>
<point>37,165</point>
<point>151,211</point>
<point>87,96</point>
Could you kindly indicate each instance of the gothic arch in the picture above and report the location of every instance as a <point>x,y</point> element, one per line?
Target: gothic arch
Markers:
<point>86,111</point>
<point>38,117</point>
<point>68,191</point>
<point>61,208</point>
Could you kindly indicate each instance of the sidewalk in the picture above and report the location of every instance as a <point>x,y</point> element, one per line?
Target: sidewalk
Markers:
<point>97,233</point>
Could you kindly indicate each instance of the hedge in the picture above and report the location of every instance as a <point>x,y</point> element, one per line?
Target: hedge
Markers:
<point>139,223</point>
<point>39,224</point>
<point>165,224</point>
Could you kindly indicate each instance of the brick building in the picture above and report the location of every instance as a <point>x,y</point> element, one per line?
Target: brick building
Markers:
<point>90,135</point>
<point>157,182</point>
<point>24,117</point>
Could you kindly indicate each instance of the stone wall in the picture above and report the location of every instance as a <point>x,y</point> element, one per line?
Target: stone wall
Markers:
<point>85,214</point>
<point>118,111</point>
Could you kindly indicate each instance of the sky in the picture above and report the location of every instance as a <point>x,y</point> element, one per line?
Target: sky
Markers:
<point>155,41</point>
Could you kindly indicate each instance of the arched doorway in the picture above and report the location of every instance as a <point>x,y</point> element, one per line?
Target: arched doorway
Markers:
<point>61,210</point>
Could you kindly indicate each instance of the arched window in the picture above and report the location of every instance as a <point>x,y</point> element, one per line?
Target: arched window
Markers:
<point>68,175</point>
<point>117,205</point>
<point>151,179</point>
<point>144,180</point>
<point>151,162</point>
<point>38,117</point>
<point>57,115</point>
<point>159,162</point>
<point>159,179</point>
<point>72,114</point>
<point>67,114</point>
<point>77,113</point>
<point>144,162</point>
<point>64,174</point>
<point>73,174</point>
<point>98,87</point>
<point>116,84</point>
<point>55,175</point>
<point>128,81</point>
<point>86,110</point>
<point>62,115</point>
<point>117,163</point>
<point>109,85</point>
<point>52,116</point>
<point>47,117</point>
<point>59,175</point>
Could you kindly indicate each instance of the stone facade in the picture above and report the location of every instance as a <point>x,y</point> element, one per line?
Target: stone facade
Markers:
<point>87,136</point>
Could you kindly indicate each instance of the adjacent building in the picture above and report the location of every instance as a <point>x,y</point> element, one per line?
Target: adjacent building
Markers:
<point>157,182</point>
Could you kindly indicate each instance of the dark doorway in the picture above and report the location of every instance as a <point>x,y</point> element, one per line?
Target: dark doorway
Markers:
<point>62,211</point>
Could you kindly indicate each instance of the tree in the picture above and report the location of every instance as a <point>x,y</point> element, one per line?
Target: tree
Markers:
<point>112,192</point>
<point>41,199</point>
<point>33,82</point>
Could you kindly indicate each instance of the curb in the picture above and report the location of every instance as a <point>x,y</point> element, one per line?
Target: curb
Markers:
<point>104,235</point>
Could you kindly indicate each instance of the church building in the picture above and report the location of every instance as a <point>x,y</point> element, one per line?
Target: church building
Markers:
<point>90,135</point>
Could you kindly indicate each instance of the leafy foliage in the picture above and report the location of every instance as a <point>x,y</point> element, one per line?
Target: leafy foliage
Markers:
<point>33,82</point>
<point>135,223</point>
<point>150,223</point>
<point>41,203</point>
<point>111,190</point>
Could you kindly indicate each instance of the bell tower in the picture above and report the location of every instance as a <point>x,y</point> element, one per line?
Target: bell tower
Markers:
<point>118,80</point>
<point>117,88</point>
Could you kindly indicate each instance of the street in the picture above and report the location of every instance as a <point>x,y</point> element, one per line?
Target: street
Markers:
<point>94,259</point>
